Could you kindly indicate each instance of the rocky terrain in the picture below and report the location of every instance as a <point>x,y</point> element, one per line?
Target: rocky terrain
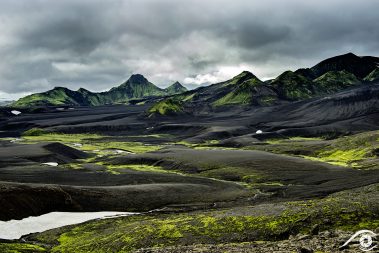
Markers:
<point>286,165</point>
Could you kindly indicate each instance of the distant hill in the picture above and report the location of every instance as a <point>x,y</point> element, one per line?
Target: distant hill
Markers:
<point>5,102</point>
<point>327,77</point>
<point>175,88</point>
<point>137,86</point>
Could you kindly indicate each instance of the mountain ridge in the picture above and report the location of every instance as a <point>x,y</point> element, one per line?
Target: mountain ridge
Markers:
<point>326,77</point>
<point>137,86</point>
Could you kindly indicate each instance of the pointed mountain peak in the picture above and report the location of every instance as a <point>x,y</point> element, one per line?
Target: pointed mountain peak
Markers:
<point>350,54</point>
<point>177,85</point>
<point>175,88</point>
<point>83,91</point>
<point>243,76</point>
<point>60,88</point>
<point>137,78</point>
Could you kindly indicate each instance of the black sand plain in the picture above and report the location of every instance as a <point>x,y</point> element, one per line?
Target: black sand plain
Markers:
<point>201,156</point>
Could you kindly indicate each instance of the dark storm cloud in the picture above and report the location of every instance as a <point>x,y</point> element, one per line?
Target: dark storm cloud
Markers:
<point>97,44</point>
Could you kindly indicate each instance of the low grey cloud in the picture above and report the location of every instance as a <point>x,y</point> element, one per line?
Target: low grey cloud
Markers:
<point>98,44</point>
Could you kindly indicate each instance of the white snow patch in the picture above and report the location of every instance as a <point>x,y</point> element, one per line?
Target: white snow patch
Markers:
<point>259,132</point>
<point>16,140</point>
<point>14,229</point>
<point>14,112</point>
<point>54,164</point>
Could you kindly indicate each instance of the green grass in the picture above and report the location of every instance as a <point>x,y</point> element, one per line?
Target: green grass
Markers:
<point>92,142</point>
<point>35,132</point>
<point>346,210</point>
<point>208,144</point>
<point>238,98</point>
<point>117,169</point>
<point>238,174</point>
<point>53,97</point>
<point>152,136</point>
<point>350,150</point>
<point>344,158</point>
<point>20,248</point>
<point>166,107</point>
<point>356,151</point>
<point>293,86</point>
<point>293,139</point>
<point>334,81</point>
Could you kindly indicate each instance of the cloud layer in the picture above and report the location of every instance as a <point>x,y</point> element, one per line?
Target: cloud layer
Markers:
<point>99,44</point>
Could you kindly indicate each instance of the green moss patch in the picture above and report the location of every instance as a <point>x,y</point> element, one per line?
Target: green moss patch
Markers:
<point>358,151</point>
<point>92,142</point>
<point>346,210</point>
<point>166,107</point>
<point>35,132</point>
<point>20,248</point>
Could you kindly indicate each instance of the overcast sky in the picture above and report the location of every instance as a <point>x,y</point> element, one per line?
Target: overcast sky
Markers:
<point>97,44</point>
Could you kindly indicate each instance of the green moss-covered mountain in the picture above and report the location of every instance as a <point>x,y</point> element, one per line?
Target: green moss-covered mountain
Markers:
<point>137,86</point>
<point>293,86</point>
<point>329,76</point>
<point>244,88</point>
<point>373,76</point>
<point>175,88</point>
<point>334,81</point>
<point>360,66</point>
<point>166,107</point>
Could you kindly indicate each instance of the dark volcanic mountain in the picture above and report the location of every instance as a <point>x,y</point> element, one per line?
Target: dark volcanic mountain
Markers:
<point>359,66</point>
<point>137,86</point>
<point>327,77</point>
<point>242,89</point>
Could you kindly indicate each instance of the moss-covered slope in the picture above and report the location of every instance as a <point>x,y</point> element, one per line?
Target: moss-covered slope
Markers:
<point>136,87</point>
<point>349,210</point>
<point>166,107</point>
<point>373,76</point>
<point>334,81</point>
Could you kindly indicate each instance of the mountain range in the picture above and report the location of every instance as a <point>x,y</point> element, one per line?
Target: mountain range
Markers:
<point>327,77</point>
<point>136,87</point>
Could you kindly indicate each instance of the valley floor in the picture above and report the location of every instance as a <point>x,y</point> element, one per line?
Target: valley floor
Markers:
<point>199,188</point>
